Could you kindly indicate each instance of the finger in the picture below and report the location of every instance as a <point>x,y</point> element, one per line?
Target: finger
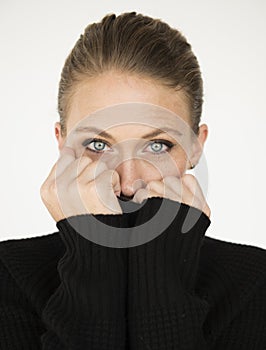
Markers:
<point>116,184</point>
<point>194,187</point>
<point>107,183</point>
<point>50,178</point>
<point>175,184</point>
<point>164,190</point>
<point>156,185</point>
<point>67,150</point>
<point>78,168</point>
<point>198,199</point>
<point>89,170</point>
<point>143,194</point>
<point>186,189</point>
<point>67,156</point>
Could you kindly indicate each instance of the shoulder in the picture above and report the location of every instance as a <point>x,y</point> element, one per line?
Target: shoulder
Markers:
<point>232,279</point>
<point>26,254</point>
<point>31,265</point>
<point>237,260</point>
<point>237,265</point>
<point>31,249</point>
<point>48,240</point>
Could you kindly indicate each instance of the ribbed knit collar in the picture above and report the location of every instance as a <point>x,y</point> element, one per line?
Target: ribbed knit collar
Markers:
<point>227,274</point>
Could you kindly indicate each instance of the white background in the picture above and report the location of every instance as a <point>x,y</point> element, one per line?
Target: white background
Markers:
<point>228,38</point>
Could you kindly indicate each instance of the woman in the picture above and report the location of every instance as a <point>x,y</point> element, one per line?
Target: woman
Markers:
<point>101,281</point>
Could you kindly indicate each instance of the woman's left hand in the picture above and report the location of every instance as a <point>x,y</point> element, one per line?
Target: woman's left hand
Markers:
<point>185,189</point>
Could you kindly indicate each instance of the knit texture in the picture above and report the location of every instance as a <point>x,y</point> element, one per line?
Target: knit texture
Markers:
<point>179,290</point>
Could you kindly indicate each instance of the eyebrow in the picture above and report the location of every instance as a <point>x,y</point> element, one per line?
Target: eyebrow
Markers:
<point>105,134</point>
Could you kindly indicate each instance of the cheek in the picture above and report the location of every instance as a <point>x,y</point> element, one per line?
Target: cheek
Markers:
<point>173,164</point>
<point>180,160</point>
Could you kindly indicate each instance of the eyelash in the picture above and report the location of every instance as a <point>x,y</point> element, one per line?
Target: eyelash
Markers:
<point>164,142</point>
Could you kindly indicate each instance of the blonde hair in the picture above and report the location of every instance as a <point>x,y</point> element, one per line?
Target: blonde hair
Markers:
<point>133,43</point>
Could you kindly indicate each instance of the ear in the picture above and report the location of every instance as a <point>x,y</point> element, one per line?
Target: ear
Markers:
<point>198,144</point>
<point>58,135</point>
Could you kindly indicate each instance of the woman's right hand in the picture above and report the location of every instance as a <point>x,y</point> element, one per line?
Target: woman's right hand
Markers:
<point>71,189</point>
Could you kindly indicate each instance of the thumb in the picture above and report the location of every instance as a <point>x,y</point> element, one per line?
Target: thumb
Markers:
<point>116,183</point>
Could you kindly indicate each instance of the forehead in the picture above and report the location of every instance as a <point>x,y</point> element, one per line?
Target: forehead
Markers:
<point>96,97</point>
<point>115,123</point>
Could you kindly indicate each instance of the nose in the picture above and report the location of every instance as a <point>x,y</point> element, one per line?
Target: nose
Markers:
<point>131,174</point>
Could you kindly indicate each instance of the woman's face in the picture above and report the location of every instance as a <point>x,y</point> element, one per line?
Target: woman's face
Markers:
<point>136,157</point>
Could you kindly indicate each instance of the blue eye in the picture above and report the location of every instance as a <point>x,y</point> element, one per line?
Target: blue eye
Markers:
<point>98,145</point>
<point>156,145</point>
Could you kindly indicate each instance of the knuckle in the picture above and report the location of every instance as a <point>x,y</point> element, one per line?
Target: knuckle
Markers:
<point>115,175</point>
<point>171,180</point>
<point>45,188</point>
<point>153,183</point>
<point>43,191</point>
<point>191,183</point>
<point>47,191</point>
<point>189,177</point>
<point>89,188</point>
<point>53,187</point>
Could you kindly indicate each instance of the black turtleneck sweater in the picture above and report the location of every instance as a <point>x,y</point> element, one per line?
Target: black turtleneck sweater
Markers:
<point>182,291</point>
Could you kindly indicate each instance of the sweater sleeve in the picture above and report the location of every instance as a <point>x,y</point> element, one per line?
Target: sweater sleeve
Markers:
<point>20,326</point>
<point>163,309</point>
<point>87,311</point>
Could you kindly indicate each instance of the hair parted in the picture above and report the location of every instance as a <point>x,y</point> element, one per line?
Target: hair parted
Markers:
<point>138,44</point>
